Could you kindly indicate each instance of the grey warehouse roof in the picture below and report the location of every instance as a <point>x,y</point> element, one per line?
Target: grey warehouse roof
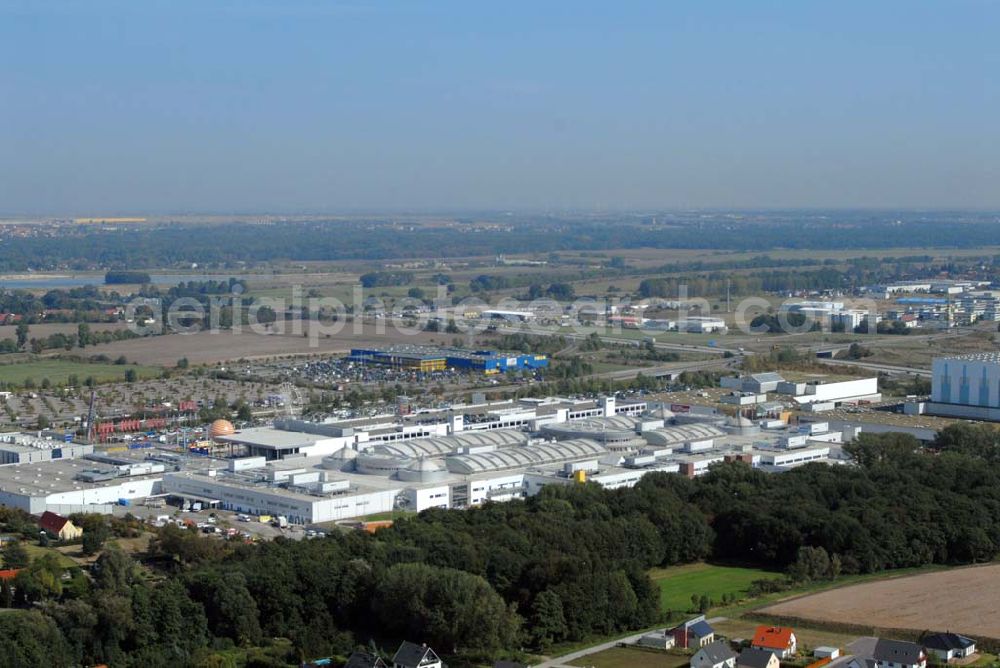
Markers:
<point>509,458</point>
<point>431,447</point>
<point>768,377</point>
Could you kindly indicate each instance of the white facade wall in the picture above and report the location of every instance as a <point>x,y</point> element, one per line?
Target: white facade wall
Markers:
<point>126,489</point>
<point>502,488</point>
<point>795,457</point>
<point>352,505</point>
<point>847,389</point>
<point>326,446</point>
<point>429,497</point>
<point>266,501</point>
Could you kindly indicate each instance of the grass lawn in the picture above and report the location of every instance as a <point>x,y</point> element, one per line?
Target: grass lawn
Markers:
<point>632,657</point>
<point>35,551</point>
<point>678,583</point>
<point>58,371</point>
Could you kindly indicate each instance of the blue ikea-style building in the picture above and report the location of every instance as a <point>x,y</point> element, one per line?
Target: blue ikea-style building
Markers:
<point>437,358</point>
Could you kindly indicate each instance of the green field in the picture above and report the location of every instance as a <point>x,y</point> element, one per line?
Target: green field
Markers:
<point>678,583</point>
<point>58,371</point>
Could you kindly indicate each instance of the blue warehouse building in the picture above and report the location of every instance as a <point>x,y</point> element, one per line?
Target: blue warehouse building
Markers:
<point>431,358</point>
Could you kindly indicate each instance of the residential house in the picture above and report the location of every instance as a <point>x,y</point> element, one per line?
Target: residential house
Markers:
<point>714,655</point>
<point>899,654</point>
<point>364,660</point>
<point>59,526</point>
<point>948,646</point>
<point>8,574</point>
<point>777,639</point>
<point>694,632</point>
<point>757,658</point>
<point>412,655</point>
<point>663,639</point>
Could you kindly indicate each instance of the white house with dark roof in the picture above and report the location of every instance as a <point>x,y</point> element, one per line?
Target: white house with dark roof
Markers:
<point>949,646</point>
<point>412,655</point>
<point>695,632</point>
<point>714,655</point>
<point>757,658</point>
<point>364,660</point>
<point>899,654</point>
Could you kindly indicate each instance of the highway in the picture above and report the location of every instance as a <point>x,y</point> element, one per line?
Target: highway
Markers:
<point>884,368</point>
<point>662,369</point>
<point>573,336</point>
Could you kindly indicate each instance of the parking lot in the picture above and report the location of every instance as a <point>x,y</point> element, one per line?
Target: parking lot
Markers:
<point>220,523</point>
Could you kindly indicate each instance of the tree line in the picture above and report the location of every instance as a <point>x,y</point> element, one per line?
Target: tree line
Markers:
<point>230,244</point>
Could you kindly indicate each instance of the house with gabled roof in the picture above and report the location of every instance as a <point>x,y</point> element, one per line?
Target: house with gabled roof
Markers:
<point>714,655</point>
<point>949,646</point>
<point>757,658</point>
<point>412,655</point>
<point>899,654</point>
<point>695,632</point>
<point>361,659</point>
<point>778,639</point>
<point>59,526</point>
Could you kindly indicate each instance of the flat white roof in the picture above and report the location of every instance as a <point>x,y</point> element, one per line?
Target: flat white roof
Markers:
<point>279,439</point>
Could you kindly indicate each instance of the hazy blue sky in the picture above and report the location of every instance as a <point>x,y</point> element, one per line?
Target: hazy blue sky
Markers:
<point>171,106</point>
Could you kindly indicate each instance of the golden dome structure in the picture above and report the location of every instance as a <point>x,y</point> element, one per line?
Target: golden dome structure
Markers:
<point>221,428</point>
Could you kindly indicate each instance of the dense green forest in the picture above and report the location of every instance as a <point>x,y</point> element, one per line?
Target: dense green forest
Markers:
<point>175,244</point>
<point>569,563</point>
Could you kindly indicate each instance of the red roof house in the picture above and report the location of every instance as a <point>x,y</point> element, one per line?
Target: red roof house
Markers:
<point>57,525</point>
<point>778,639</point>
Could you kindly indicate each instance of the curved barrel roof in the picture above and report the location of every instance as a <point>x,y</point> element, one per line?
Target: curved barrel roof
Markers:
<point>435,447</point>
<point>509,458</point>
<point>682,434</point>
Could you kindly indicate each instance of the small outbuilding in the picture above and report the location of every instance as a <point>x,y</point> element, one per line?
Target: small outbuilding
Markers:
<point>662,639</point>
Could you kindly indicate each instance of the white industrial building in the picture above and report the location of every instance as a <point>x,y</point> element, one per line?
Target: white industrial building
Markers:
<point>834,312</point>
<point>966,386</point>
<point>833,392</point>
<point>469,469</point>
<point>30,448</point>
<point>92,483</point>
<point>702,325</point>
<point>320,472</point>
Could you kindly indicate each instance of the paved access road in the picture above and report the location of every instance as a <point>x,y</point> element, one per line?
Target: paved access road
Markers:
<point>567,659</point>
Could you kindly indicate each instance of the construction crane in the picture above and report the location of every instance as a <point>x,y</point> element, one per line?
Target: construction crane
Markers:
<point>91,427</point>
